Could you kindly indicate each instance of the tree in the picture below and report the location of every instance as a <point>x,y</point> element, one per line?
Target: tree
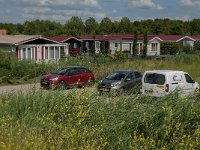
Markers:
<point>106,26</point>
<point>135,40</point>
<point>74,26</point>
<point>91,26</point>
<point>124,25</point>
<point>145,44</point>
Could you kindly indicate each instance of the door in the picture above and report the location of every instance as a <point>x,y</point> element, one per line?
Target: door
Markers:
<point>73,77</point>
<point>129,82</point>
<point>189,85</point>
<point>86,75</point>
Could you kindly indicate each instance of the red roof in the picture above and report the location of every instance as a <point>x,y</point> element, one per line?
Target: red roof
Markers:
<point>125,37</point>
<point>108,37</point>
<point>60,38</point>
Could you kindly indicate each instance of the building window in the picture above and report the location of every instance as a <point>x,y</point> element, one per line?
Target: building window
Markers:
<point>87,45</point>
<point>75,45</point>
<point>116,45</point>
<point>26,53</point>
<point>52,52</point>
<point>98,44</point>
<point>29,53</point>
<point>154,47</point>
<point>46,52</point>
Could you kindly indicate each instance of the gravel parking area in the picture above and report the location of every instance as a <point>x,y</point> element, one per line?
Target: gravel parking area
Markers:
<point>18,88</point>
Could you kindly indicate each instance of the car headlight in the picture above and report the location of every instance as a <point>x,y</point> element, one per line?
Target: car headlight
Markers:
<point>54,79</point>
<point>115,84</point>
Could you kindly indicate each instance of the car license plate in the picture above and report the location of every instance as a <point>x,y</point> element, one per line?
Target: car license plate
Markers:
<point>44,83</point>
<point>105,89</point>
<point>150,92</point>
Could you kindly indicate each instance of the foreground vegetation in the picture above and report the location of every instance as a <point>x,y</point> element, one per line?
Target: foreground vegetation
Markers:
<point>87,120</point>
<point>83,119</point>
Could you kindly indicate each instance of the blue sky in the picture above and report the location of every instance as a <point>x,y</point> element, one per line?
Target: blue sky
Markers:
<point>18,11</point>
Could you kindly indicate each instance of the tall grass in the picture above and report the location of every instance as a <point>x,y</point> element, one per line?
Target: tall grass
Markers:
<point>85,120</point>
<point>24,71</point>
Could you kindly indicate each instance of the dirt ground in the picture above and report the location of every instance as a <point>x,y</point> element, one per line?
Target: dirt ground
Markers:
<point>18,88</point>
<point>26,87</point>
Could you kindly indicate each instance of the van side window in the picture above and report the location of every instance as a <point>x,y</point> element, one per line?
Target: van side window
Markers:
<point>188,79</point>
<point>154,78</point>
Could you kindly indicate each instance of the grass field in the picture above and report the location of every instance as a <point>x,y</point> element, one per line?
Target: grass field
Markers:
<point>82,119</point>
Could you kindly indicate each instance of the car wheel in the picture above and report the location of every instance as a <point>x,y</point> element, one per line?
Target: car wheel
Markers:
<point>197,91</point>
<point>62,85</point>
<point>90,82</point>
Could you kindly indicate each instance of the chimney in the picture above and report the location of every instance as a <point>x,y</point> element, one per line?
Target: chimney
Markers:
<point>3,32</point>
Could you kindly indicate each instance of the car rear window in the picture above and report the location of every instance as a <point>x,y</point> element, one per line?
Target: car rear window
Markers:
<point>154,78</point>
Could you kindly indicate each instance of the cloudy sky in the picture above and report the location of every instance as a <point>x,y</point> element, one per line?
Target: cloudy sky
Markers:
<point>18,11</point>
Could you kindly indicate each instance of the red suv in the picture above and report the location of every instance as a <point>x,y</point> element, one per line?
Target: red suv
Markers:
<point>67,77</point>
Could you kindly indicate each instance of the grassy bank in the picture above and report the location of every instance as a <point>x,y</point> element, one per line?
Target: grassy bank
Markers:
<point>85,120</point>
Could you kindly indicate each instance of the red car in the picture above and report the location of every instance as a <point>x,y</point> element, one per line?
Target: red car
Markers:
<point>67,77</point>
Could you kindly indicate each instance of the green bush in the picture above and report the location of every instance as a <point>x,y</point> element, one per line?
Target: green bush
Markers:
<point>171,48</point>
<point>196,46</point>
<point>5,58</point>
<point>119,55</point>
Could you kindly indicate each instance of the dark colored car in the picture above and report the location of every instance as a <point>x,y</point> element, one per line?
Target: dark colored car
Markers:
<point>121,80</point>
<point>67,77</point>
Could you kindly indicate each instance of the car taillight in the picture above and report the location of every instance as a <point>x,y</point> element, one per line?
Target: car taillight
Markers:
<point>167,88</point>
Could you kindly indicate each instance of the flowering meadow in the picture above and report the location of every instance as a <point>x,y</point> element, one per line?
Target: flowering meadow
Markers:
<point>83,119</point>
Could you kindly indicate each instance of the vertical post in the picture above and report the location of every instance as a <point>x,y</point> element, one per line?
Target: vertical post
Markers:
<point>17,52</point>
<point>42,52</point>
<point>36,53</point>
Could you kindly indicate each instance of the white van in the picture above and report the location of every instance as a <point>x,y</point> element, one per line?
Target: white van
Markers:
<point>158,83</point>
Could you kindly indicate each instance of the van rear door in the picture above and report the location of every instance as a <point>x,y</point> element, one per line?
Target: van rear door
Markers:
<point>154,84</point>
<point>189,85</point>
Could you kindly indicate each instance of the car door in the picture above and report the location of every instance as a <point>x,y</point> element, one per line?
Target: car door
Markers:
<point>189,85</point>
<point>85,76</point>
<point>74,76</point>
<point>129,81</point>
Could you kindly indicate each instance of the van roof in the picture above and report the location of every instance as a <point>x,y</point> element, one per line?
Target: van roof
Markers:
<point>164,71</point>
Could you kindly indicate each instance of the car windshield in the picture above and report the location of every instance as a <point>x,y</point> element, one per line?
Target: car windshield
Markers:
<point>154,78</point>
<point>116,76</point>
<point>59,71</point>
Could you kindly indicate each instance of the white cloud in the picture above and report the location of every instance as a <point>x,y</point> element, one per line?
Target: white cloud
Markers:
<point>91,3</point>
<point>194,3</point>
<point>146,4</point>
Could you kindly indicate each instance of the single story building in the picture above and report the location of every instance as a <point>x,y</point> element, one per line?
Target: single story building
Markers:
<point>31,47</point>
<point>83,45</point>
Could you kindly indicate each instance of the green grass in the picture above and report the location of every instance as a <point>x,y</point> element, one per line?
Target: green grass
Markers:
<point>85,120</point>
<point>26,71</point>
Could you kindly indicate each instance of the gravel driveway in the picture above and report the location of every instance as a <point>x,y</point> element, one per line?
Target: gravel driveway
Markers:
<point>36,86</point>
<point>18,88</point>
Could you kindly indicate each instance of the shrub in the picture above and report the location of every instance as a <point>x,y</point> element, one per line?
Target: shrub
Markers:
<point>197,46</point>
<point>5,58</point>
<point>169,47</point>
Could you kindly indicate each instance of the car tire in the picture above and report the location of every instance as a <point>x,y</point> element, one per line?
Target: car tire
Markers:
<point>197,91</point>
<point>62,85</point>
<point>90,83</point>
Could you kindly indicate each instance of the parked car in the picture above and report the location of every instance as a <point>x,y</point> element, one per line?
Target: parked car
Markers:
<point>67,77</point>
<point>158,83</point>
<point>121,80</point>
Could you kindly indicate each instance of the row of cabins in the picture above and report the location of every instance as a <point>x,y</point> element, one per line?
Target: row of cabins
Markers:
<point>36,47</point>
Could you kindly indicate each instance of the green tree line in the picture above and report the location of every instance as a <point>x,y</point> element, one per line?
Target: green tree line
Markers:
<point>76,26</point>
